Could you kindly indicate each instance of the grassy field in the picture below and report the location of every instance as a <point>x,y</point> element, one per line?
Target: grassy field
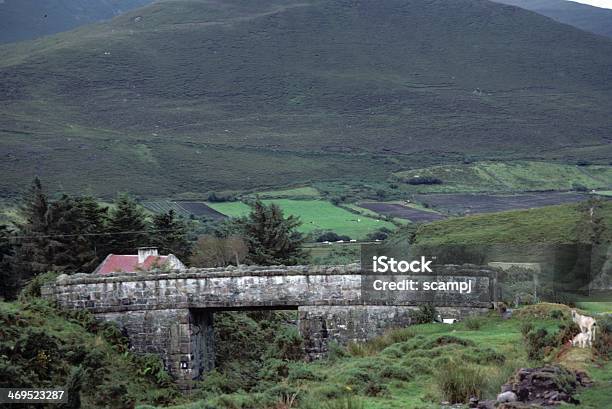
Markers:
<point>403,369</point>
<point>316,215</point>
<point>516,176</point>
<point>596,307</point>
<point>552,224</point>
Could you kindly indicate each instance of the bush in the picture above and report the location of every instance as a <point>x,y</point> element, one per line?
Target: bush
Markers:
<point>331,236</point>
<point>424,315</point>
<point>567,331</point>
<point>424,180</point>
<point>33,287</point>
<point>472,323</point>
<point>603,339</point>
<point>539,343</point>
<point>288,345</point>
<point>459,381</point>
<point>526,328</point>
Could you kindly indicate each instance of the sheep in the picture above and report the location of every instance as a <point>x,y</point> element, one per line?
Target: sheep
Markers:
<point>588,327</point>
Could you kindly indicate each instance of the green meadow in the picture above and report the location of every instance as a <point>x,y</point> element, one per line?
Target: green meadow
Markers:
<point>316,215</point>
<point>518,176</point>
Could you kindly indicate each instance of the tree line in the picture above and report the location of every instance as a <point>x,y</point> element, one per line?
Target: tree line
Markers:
<point>75,233</point>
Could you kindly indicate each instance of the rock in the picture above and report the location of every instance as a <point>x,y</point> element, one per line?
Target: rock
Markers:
<point>547,385</point>
<point>486,404</point>
<point>507,397</point>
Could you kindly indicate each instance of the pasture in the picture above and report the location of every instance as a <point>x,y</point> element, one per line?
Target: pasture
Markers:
<point>551,224</point>
<point>517,176</point>
<point>403,212</point>
<point>316,216</point>
<point>465,203</point>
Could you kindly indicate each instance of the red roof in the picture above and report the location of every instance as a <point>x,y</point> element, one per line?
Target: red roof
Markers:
<point>128,263</point>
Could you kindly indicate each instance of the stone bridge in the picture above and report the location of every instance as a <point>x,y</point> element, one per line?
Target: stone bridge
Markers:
<point>172,313</point>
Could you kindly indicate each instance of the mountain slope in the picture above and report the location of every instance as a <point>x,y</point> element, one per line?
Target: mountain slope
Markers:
<point>29,19</point>
<point>594,19</point>
<point>193,95</point>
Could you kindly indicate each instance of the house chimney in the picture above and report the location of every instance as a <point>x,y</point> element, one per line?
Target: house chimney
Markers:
<point>144,252</point>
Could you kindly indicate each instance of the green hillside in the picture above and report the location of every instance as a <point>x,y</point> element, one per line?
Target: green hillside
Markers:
<point>200,95</point>
<point>552,224</point>
<point>516,176</point>
<point>42,347</point>
<point>583,16</point>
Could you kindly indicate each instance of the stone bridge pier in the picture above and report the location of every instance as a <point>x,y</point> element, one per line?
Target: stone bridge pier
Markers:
<point>172,314</point>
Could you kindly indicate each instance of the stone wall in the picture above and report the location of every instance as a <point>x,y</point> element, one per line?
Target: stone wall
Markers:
<point>321,325</point>
<point>249,288</point>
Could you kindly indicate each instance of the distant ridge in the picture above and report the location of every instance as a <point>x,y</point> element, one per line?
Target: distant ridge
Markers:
<point>28,19</point>
<point>583,16</point>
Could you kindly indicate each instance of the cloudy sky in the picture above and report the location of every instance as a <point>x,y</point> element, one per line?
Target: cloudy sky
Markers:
<point>598,3</point>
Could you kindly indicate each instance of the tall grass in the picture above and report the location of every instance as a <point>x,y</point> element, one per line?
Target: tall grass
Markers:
<point>372,347</point>
<point>458,381</point>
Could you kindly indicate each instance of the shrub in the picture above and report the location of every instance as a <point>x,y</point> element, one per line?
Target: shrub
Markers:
<point>603,339</point>
<point>151,367</point>
<point>472,323</point>
<point>396,372</point>
<point>458,381</point>
<point>484,356</point>
<point>448,339</point>
<point>288,345</point>
<point>424,315</point>
<point>567,331</point>
<point>526,327</point>
<point>539,343</point>
<point>556,314</point>
<point>331,236</point>
<point>335,351</point>
<point>424,180</point>
<point>32,288</point>
<point>300,371</point>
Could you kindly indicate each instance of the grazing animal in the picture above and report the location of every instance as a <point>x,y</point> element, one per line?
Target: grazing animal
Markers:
<point>581,340</point>
<point>588,327</point>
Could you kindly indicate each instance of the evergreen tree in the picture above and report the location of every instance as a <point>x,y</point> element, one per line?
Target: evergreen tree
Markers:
<point>96,217</point>
<point>71,243</point>
<point>9,280</point>
<point>127,226</point>
<point>272,238</point>
<point>170,235</point>
<point>32,252</point>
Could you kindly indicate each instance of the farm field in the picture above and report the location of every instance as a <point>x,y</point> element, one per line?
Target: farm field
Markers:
<point>294,193</point>
<point>465,203</point>
<point>183,209</point>
<point>518,176</point>
<point>200,209</point>
<point>163,206</point>
<point>316,215</point>
<point>401,211</point>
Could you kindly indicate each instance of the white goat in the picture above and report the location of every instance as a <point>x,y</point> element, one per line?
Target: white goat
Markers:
<point>588,327</point>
